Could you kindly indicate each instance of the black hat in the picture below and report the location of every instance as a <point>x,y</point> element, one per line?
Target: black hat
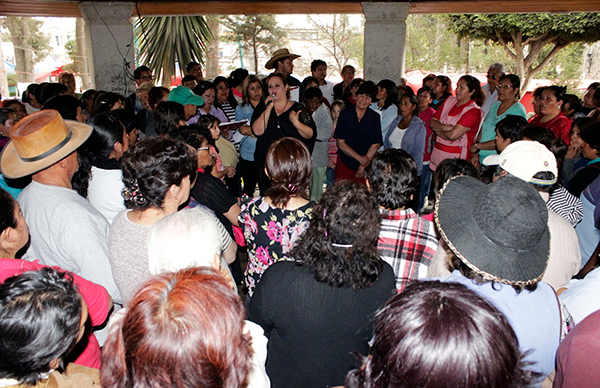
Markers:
<point>498,230</point>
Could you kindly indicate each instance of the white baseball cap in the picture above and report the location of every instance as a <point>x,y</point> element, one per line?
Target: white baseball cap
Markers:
<point>524,159</point>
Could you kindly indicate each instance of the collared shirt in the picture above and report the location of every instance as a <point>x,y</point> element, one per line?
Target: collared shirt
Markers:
<point>406,242</point>
<point>491,96</point>
<point>327,89</point>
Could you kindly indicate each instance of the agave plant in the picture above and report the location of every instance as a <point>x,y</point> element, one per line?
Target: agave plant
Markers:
<point>165,40</point>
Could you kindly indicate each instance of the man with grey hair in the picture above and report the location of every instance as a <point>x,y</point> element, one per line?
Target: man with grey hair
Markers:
<point>495,71</point>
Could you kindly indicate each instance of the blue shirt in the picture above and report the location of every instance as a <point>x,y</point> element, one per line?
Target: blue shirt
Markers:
<point>247,143</point>
<point>534,316</point>
<point>358,135</point>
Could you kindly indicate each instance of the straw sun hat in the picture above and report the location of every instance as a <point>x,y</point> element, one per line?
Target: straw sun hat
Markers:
<point>40,140</point>
<point>280,54</point>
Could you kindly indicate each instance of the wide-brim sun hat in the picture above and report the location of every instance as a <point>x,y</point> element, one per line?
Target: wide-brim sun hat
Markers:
<point>40,140</point>
<point>498,230</point>
<point>280,54</point>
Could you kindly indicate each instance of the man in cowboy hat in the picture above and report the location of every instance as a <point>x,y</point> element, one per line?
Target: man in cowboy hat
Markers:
<point>498,241</point>
<point>282,62</point>
<point>66,230</point>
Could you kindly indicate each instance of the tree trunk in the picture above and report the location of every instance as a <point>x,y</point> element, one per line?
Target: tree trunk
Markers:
<point>167,77</point>
<point>3,80</point>
<point>19,34</point>
<point>438,33</point>
<point>212,61</point>
<point>82,62</point>
<point>255,49</point>
<point>520,62</point>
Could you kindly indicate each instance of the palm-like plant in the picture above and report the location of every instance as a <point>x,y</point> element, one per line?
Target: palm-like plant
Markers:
<point>165,40</point>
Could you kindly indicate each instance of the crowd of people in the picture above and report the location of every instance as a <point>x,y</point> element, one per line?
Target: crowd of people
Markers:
<point>394,237</point>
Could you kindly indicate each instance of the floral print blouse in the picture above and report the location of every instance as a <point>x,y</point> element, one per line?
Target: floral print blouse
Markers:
<point>270,234</point>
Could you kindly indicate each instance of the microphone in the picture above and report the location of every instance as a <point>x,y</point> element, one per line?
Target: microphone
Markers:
<point>269,102</point>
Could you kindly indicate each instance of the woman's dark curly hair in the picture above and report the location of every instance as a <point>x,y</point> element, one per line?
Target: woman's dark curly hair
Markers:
<point>347,214</point>
<point>152,167</point>
<point>288,166</point>
<point>392,177</point>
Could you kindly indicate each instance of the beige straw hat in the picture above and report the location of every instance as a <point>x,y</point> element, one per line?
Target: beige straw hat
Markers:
<point>40,140</point>
<point>280,54</point>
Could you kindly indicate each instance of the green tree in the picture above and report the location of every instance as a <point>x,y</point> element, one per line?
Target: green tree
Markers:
<point>255,32</point>
<point>531,41</point>
<point>3,76</point>
<point>429,44</point>
<point>30,44</point>
<point>166,40</point>
<point>71,49</point>
<point>342,40</point>
<point>75,49</point>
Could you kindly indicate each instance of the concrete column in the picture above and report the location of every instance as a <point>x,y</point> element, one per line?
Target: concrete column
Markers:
<point>385,38</point>
<point>109,36</point>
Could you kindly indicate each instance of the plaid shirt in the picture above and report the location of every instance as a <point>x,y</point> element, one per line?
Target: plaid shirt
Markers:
<point>406,242</point>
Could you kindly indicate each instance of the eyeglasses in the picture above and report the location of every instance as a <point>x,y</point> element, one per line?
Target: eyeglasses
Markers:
<point>203,148</point>
<point>505,86</point>
<point>494,77</point>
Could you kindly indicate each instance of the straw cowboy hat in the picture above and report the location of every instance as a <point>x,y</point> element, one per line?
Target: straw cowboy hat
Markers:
<point>40,140</point>
<point>280,54</point>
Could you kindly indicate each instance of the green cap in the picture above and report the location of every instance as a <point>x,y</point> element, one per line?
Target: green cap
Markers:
<point>184,96</point>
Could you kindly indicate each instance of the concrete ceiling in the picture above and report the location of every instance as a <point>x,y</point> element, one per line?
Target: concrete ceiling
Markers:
<point>69,8</point>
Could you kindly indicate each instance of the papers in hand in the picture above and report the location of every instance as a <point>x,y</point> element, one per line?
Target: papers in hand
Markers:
<point>232,125</point>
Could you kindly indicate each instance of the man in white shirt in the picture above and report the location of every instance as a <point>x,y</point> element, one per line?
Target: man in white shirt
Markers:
<point>66,230</point>
<point>318,67</point>
<point>495,71</point>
